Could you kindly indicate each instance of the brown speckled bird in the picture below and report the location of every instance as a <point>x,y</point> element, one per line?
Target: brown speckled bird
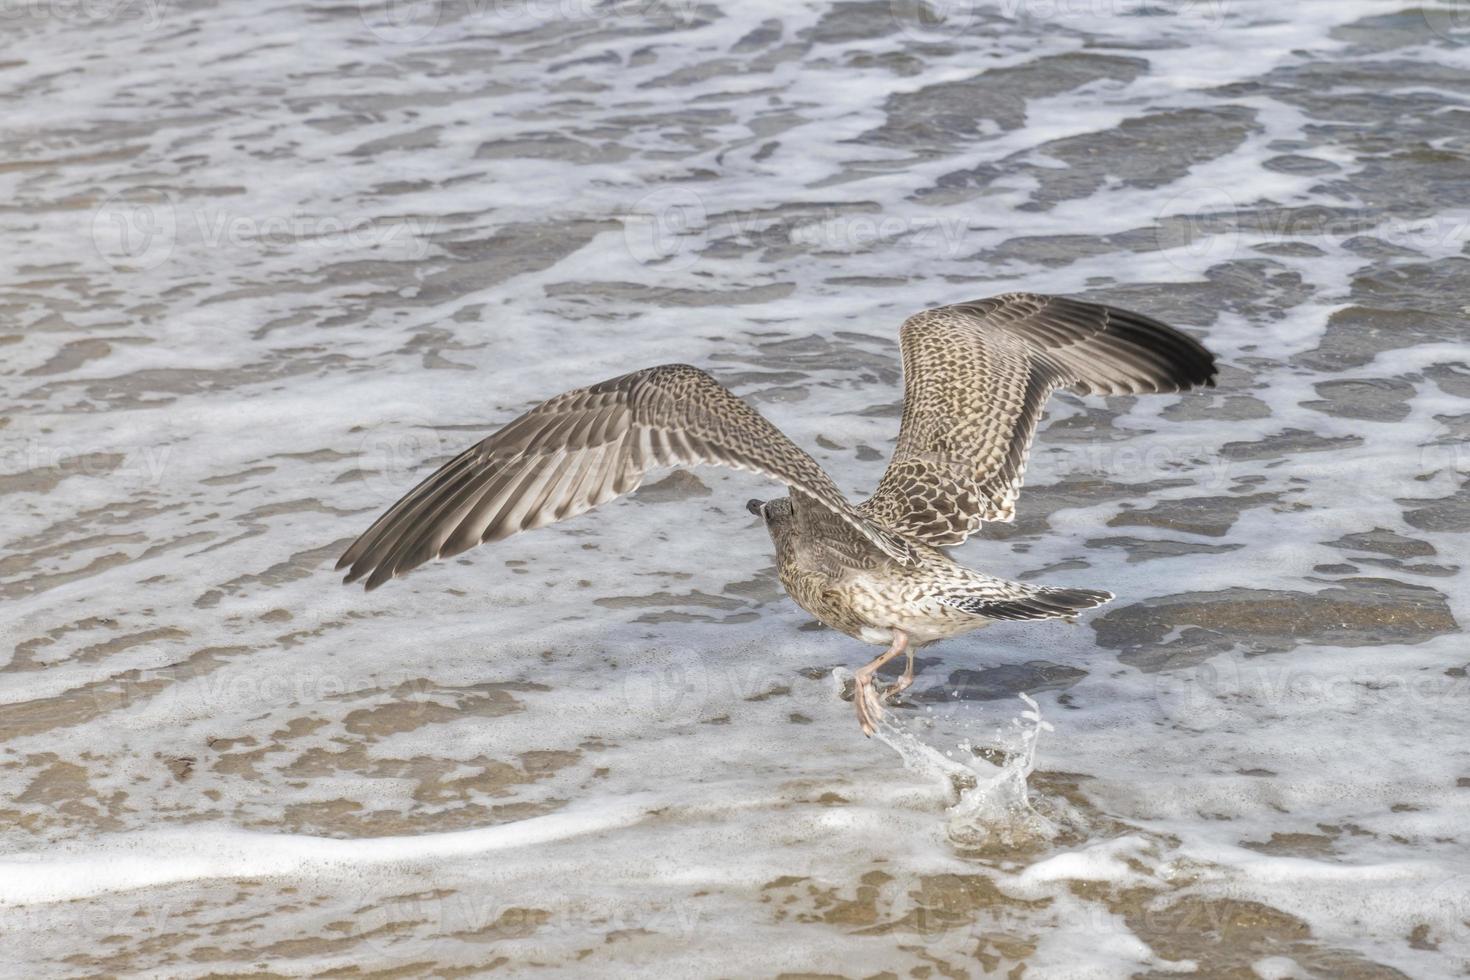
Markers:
<point>976,378</point>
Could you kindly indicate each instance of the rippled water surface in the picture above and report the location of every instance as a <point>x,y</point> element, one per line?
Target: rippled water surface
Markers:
<point>266,265</point>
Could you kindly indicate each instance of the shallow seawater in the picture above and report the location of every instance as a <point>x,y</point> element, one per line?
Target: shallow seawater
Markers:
<point>266,266</point>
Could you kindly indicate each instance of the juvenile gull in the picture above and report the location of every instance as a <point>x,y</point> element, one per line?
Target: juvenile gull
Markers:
<point>976,377</point>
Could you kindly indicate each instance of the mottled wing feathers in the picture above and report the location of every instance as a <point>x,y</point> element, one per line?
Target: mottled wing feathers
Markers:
<point>581,449</point>
<point>976,378</point>
<point>1101,350</point>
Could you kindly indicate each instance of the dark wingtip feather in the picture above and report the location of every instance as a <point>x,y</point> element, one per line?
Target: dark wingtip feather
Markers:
<point>1078,598</point>
<point>355,574</point>
<point>381,574</point>
<point>1038,603</point>
<point>1100,349</point>
<point>1181,361</point>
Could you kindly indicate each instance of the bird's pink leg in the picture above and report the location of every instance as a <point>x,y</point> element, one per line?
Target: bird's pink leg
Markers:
<point>902,684</point>
<point>868,710</point>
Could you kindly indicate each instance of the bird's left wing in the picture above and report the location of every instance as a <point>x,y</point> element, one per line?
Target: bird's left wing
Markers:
<point>581,449</point>
<point>976,377</point>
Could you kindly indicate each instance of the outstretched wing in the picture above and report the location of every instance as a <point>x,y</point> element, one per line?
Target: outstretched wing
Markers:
<point>976,376</point>
<point>582,449</point>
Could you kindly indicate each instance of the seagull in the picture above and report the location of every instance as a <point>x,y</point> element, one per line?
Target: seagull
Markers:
<point>976,378</point>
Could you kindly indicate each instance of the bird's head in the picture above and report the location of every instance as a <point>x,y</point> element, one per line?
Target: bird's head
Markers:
<point>776,514</point>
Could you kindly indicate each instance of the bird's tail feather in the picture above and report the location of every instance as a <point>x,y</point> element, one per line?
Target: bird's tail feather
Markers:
<point>1030,602</point>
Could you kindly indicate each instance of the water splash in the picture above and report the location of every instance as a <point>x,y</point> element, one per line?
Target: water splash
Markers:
<point>991,805</point>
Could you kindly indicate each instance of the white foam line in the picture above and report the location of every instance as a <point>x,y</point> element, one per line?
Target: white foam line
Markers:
<point>1277,870</point>
<point>1103,861</point>
<point>151,858</point>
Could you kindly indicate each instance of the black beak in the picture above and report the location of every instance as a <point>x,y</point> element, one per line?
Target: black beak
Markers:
<point>754,506</point>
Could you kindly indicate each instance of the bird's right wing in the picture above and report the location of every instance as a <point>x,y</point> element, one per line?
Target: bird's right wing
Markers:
<point>581,449</point>
<point>976,377</point>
